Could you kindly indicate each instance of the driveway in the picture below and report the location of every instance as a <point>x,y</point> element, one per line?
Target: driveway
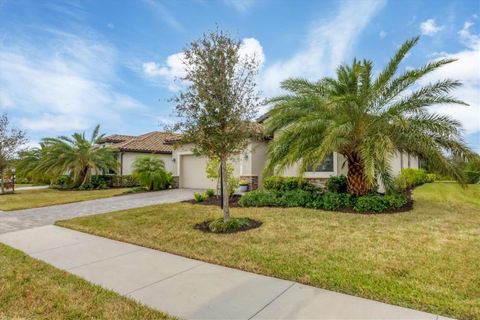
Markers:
<point>30,218</point>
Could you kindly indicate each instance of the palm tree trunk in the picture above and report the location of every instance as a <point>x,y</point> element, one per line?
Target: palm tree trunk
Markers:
<point>356,182</point>
<point>226,211</point>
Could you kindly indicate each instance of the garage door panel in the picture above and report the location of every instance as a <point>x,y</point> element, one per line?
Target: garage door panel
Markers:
<point>193,173</point>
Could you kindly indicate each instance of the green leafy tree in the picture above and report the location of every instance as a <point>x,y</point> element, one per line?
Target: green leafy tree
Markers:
<point>150,172</point>
<point>213,173</point>
<point>219,102</point>
<point>366,118</point>
<point>11,139</point>
<point>76,156</point>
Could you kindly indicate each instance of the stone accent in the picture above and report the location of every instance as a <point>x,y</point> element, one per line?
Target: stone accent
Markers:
<point>253,182</point>
<point>176,182</point>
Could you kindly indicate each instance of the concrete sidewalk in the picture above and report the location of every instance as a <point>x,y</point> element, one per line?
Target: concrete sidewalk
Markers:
<point>35,217</point>
<point>192,289</point>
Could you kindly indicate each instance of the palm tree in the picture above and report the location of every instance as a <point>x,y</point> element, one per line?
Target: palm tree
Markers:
<point>366,119</point>
<point>150,172</point>
<point>75,155</point>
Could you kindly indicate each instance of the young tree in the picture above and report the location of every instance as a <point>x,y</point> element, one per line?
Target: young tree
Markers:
<point>10,141</point>
<point>367,118</point>
<point>220,100</point>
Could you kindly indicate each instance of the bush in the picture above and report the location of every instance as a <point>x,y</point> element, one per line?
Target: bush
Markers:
<point>62,182</point>
<point>472,177</point>
<point>100,182</point>
<point>431,177</point>
<point>379,203</point>
<point>333,201</point>
<point>210,193</point>
<point>337,184</point>
<point>150,172</point>
<point>293,198</point>
<point>126,181</point>
<point>200,197</point>
<point>258,198</point>
<point>278,183</point>
<point>232,225</point>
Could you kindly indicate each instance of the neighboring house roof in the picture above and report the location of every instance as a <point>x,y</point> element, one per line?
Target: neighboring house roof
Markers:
<point>152,142</point>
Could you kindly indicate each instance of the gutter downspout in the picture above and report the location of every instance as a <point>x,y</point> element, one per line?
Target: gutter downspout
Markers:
<point>121,164</point>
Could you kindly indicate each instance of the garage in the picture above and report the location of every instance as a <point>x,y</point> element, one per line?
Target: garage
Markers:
<point>192,173</point>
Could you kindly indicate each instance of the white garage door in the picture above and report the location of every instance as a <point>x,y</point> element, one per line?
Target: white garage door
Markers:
<point>193,174</point>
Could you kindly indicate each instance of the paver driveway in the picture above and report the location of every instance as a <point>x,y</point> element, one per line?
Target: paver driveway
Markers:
<point>30,218</point>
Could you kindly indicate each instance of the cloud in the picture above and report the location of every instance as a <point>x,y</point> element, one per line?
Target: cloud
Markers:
<point>169,73</point>
<point>382,34</point>
<point>329,42</point>
<point>64,84</point>
<point>5,100</point>
<point>242,6</point>
<point>429,27</point>
<point>164,14</point>
<point>467,70</point>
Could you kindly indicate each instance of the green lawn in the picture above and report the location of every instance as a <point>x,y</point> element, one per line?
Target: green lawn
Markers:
<point>427,259</point>
<point>31,289</point>
<point>24,199</point>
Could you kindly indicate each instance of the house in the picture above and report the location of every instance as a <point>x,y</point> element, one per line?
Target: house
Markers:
<point>188,169</point>
<point>131,147</point>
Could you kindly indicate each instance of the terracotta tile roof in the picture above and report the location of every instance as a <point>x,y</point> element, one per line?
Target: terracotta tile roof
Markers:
<point>152,142</point>
<point>116,138</point>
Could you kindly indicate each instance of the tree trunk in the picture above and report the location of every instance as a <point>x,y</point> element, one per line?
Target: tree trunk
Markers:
<point>356,182</point>
<point>226,211</point>
<point>3,181</point>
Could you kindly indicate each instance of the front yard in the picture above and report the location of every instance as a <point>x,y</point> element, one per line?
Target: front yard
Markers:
<point>24,199</point>
<point>30,289</point>
<point>426,259</point>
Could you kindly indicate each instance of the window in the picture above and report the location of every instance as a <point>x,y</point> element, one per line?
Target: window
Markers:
<point>325,166</point>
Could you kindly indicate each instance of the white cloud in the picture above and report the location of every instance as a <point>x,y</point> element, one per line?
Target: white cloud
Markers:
<point>429,27</point>
<point>329,42</point>
<point>382,34</point>
<point>467,70</point>
<point>169,73</point>
<point>241,6</point>
<point>62,85</point>
<point>164,14</point>
<point>5,100</point>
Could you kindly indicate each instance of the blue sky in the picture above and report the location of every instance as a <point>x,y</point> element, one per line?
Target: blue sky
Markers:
<point>68,65</point>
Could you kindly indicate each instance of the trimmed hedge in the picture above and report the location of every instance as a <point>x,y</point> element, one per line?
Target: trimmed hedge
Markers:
<point>330,201</point>
<point>278,183</point>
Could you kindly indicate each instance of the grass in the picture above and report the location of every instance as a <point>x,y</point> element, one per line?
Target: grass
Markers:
<point>24,199</point>
<point>31,289</point>
<point>426,259</point>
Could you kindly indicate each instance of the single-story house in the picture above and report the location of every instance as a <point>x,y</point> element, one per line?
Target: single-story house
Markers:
<point>131,147</point>
<point>189,169</point>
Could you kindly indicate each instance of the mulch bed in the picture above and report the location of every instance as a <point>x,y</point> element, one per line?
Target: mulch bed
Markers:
<point>215,201</point>
<point>204,226</point>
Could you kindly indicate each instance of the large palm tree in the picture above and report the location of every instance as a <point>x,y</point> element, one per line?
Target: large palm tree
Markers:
<point>367,119</point>
<point>77,156</point>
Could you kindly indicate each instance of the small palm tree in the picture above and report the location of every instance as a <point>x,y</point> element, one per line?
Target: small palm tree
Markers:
<point>366,119</point>
<point>150,172</point>
<point>75,155</point>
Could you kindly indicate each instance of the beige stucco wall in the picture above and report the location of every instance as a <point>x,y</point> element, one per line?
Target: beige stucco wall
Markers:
<point>129,158</point>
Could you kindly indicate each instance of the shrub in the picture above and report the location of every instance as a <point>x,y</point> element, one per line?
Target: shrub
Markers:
<point>62,182</point>
<point>150,172</point>
<point>232,225</point>
<point>278,183</point>
<point>100,182</point>
<point>126,181</point>
<point>333,201</point>
<point>136,190</point>
<point>210,193</point>
<point>258,198</point>
<point>472,177</point>
<point>213,173</point>
<point>431,177</point>
<point>337,184</point>
<point>200,197</point>
<point>379,203</point>
<point>294,198</point>
<point>414,177</point>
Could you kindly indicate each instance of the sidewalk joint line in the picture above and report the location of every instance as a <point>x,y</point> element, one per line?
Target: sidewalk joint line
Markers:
<point>163,279</point>
<point>104,259</point>
<point>49,249</point>
<point>269,303</point>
